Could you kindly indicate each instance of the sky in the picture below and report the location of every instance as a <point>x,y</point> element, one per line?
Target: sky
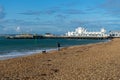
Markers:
<point>58,16</point>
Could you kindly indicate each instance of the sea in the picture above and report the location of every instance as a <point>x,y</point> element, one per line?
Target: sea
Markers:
<point>20,47</point>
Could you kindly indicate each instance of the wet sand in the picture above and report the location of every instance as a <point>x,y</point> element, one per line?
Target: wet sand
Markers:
<point>99,61</point>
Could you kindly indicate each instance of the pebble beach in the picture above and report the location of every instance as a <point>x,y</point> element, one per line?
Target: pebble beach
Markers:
<point>100,61</point>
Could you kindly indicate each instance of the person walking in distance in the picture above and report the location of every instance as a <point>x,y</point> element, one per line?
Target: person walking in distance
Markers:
<point>58,45</point>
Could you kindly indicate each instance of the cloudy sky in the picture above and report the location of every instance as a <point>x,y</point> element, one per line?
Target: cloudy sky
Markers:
<point>58,16</point>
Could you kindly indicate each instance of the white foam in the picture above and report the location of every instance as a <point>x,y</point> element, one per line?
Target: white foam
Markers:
<point>24,53</point>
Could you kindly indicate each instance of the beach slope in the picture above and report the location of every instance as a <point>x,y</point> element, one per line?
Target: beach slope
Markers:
<point>99,61</point>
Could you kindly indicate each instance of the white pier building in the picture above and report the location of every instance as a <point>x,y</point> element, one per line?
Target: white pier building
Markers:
<point>82,32</point>
<point>114,33</point>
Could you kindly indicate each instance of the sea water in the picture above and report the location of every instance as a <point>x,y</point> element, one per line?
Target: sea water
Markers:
<point>20,47</point>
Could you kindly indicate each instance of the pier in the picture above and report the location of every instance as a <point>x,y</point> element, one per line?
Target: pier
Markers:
<point>78,33</point>
<point>58,37</point>
<point>65,37</point>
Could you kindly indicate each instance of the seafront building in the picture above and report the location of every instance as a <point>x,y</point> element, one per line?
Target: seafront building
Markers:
<point>82,32</point>
<point>49,35</point>
<point>114,33</point>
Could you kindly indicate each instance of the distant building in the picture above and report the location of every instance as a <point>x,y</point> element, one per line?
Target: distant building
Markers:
<point>82,32</point>
<point>24,36</point>
<point>48,35</point>
<point>20,36</point>
<point>114,33</point>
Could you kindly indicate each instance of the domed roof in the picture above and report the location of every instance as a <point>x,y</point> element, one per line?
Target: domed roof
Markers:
<point>103,30</point>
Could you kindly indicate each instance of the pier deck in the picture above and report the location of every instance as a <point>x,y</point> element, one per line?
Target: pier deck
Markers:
<point>58,37</point>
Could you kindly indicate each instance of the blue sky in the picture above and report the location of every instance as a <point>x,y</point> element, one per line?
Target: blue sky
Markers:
<point>57,16</point>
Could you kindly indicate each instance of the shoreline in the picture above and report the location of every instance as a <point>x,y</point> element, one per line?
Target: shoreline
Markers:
<point>20,54</point>
<point>29,53</point>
